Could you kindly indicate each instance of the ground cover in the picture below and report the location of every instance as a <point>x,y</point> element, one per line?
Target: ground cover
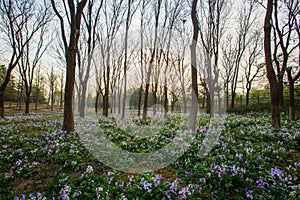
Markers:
<point>251,160</point>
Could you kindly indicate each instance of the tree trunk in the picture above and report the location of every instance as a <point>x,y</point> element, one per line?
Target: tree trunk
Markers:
<point>52,99</point>
<point>291,101</point>
<point>79,98</point>
<point>27,104</point>
<point>274,85</point>
<point>96,102</point>
<point>83,99</point>
<point>281,100</point>
<point>37,99</point>
<point>194,105</point>
<point>61,92</point>
<point>68,123</point>
<point>208,102</point>
<point>184,102</point>
<point>166,98</point>
<point>140,100</point>
<point>233,94</point>
<point>247,96</point>
<point>155,98</point>
<point>2,90</point>
<point>105,103</point>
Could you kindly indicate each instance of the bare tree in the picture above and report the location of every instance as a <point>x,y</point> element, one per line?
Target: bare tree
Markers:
<point>144,4</point>
<point>285,30</point>
<point>61,89</point>
<point>228,64</point>
<point>282,31</point>
<point>73,14</point>
<point>235,52</point>
<point>157,11</point>
<point>37,85</point>
<point>174,13</point>
<point>252,68</point>
<point>91,21</point>
<point>131,9</point>
<point>27,65</point>
<point>293,71</point>
<point>52,78</point>
<point>113,15</point>
<point>274,83</point>
<point>212,29</point>
<point>18,17</point>
<point>194,106</point>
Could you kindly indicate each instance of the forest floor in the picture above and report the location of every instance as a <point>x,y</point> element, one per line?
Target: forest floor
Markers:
<point>250,159</point>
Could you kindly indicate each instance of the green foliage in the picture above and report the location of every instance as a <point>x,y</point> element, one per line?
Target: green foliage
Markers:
<point>251,160</point>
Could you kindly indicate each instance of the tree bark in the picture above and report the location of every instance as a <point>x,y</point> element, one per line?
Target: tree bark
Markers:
<point>274,85</point>
<point>70,54</point>
<point>140,100</point>
<point>292,81</point>
<point>145,108</point>
<point>194,105</point>
<point>247,96</point>
<point>68,123</point>
<point>2,90</point>
<point>292,101</point>
<point>27,104</point>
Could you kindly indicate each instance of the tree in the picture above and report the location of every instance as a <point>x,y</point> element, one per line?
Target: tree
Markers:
<point>74,16</point>
<point>274,83</point>
<point>11,89</point>
<point>252,68</point>
<point>18,17</point>
<point>212,29</point>
<point>293,71</point>
<point>91,20</point>
<point>27,65</point>
<point>52,78</point>
<point>174,10</point>
<point>286,30</point>
<point>157,10</point>
<point>234,53</point>
<point>130,12</point>
<point>114,14</point>
<point>194,106</point>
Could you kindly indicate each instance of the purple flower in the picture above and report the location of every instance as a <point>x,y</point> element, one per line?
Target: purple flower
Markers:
<point>22,197</point>
<point>39,195</point>
<point>199,188</point>
<point>202,180</point>
<point>63,195</point>
<point>240,156</point>
<point>297,165</point>
<point>260,183</point>
<point>190,174</point>
<point>89,169</point>
<point>249,193</point>
<point>77,193</point>
<point>259,158</point>
<point>276,172</point>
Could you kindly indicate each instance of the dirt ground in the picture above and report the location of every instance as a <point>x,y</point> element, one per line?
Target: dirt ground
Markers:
<point>12,108</point>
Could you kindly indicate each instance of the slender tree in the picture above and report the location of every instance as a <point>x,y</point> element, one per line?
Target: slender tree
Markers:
<point>157,10</point>
<point>252,68</point>
<point>91,21</point>
<point>74,15</point>
<point>274,83</point>
<point>131,9</point>
<point>194,106</point>
<point>27,65</point>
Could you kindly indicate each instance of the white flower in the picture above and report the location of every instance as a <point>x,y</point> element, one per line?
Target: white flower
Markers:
<point>89,169</point>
